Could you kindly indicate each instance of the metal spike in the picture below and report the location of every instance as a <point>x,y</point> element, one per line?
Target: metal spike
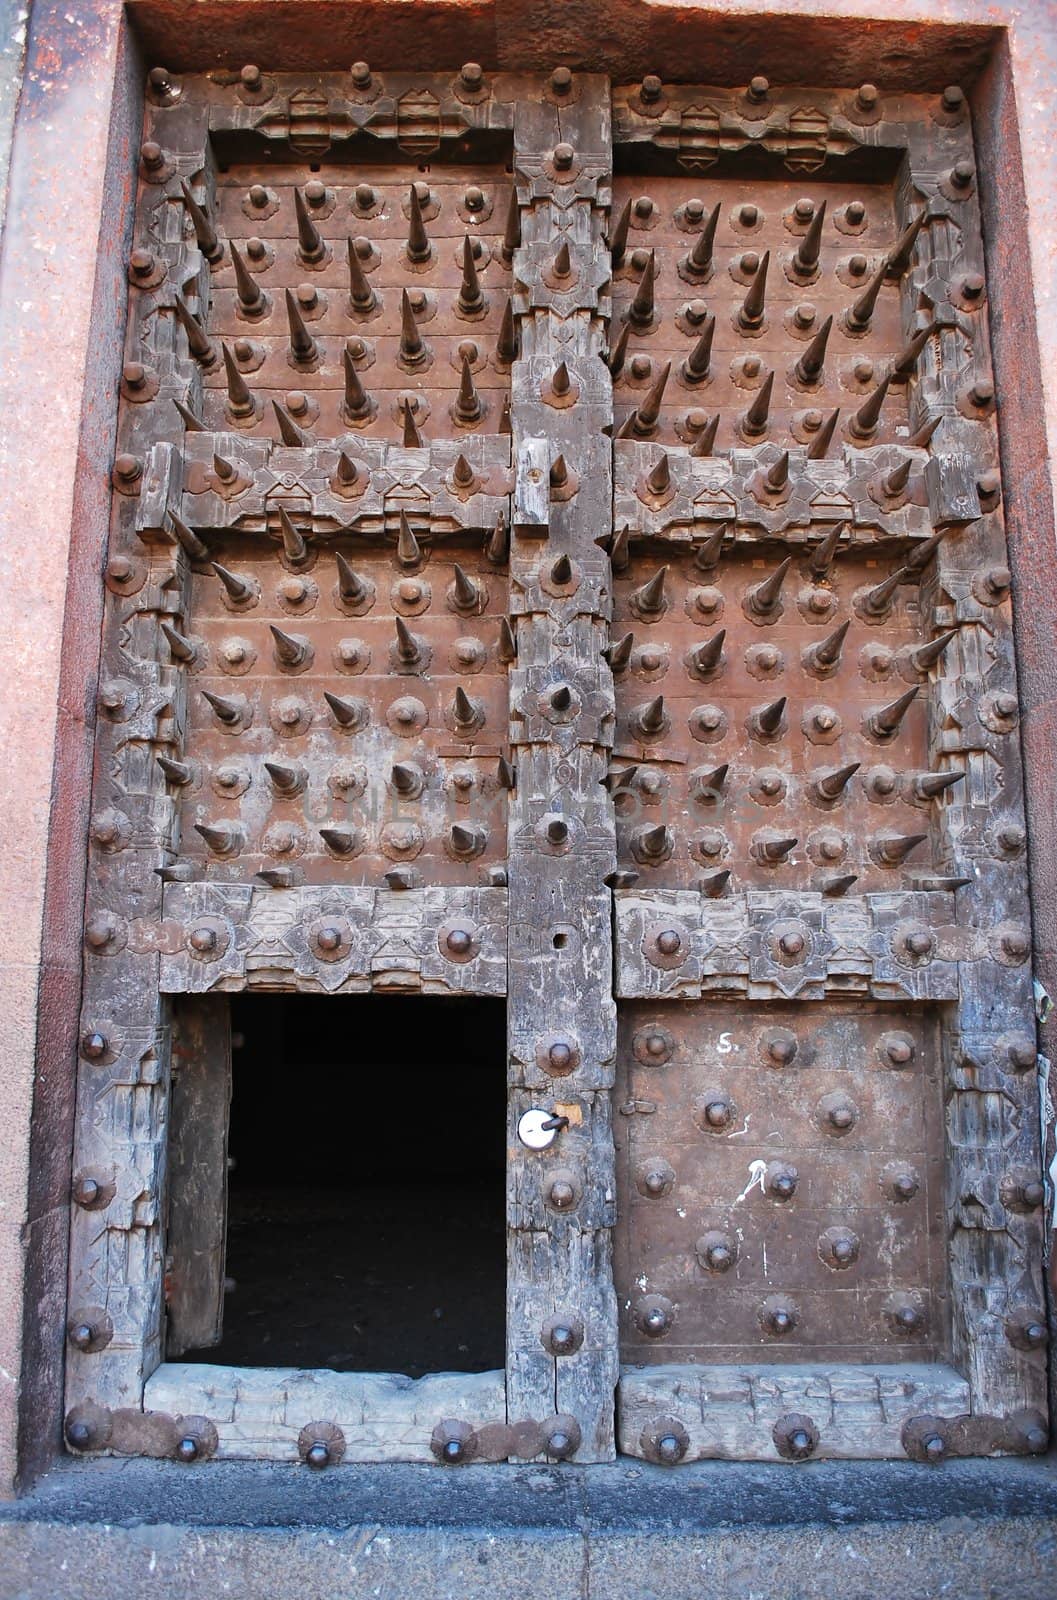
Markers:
<point>289,432</point>
<point>562,570</point>
<point>462,472</point>
<point>618,352</point>
<point>923,553</point>
<point>618,244</point>
<point>923,437</point>
<point>560,383</point>
<point>506,773</point>
<point>293,542</point>
<point>412,439</point>
<point>816,450</point>
<point>658,479</point>
<point>650,598</point>
<point>752,308</point>
<point>182,648</point>
<point>310,246</point>
<point>810,364</point>
<point>652,718</point>
<point>240,400</point>
<point>559,473</point>
<point>361,294</point>
<point>408,549</point>
<point>177,772</point>
<point>900,257</point>
<point>471,295</point>
<point>562,697</point>
<point>834,884</point>
<point>714,883</point>
<point>227,711</point>
<point>463,840</point>
<point>927,655</point>
<point>769,718</point>
<point>774,850</point>
<point>706,556</point>
<point>497,550</point>
<point>468,407</point>
<point>562,265</point>
<point>512,229</point>
<point>893,848</point>
<point>754,420</point>
<point>698,262</point>
<point>620,549</point>
<point>865,420</point>
<point>462,710</point>
<point>302,345</point>
<point>237,587</point>
<point>467,595</point>
<point>627,427</point>
<point>831,782</point>
<point>248,290</point>
<point>765,597</point>
<point>221,840</point>
<point>930,784</point>
<point>412,349</point>
<point>861,310</point>
<point>506,645</point>
<point>706,659</point>
<point>205,233</point>
<point>905,363</point>
<point>777,476</point>
<point>806,258</point>
<point>702,445</point>
<point>285,780</point>
<point>827,652</point>
<point>188,418</point>
<point>406,777</point>
<point>506,343</point>
<point>622,778</point>
<point>418,247</point>
<point>696,365</point>
<point>341,840</point>
<point>640,311</point>
<point>710,785</point>
<point>655,842</point>
<point>886,719</point>
<point>619,654</point>
<point>821,558</point>
<point>897,480</point>
<point>408,647</point>
<point>290,650</point>
<point>197,342</point>
<point>346,472</point>
<point>224,470</point>
<point>877,602</point>
<point>189,541</point>
<point>351,586</point>
<point>347,713</point>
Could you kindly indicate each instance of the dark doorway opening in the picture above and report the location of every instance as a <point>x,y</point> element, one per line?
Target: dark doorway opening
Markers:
<point>366,1191</point>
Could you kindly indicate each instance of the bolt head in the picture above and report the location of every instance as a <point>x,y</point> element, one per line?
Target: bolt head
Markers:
<point>317,1455</point>
<point>562,1340</point>
<point>296,402</point>
<point>759,88</point>
<point>472,74</point>
<point>251,77</point>
<point>1016,943</point>
<point>920,943</point>
<point>562,1195</point>
<point>656,1320</point>
<point>152,154</point>
<point>962,174</point>
<point>86,1192</point>
<point>717,1113</point>
<point>855,212</point>
<point>560,1055</point>
<point>188,1448</point>
<point>329,938</point>
<point>453,1450</point>
<point>857,266</point>
<point>780,1321</point>
<point>804,210</point>
<point>134,374</point>
<point>792,944</point>
<point>800,1441</point>
<point>360,73</point>
<point>559,1443</point>
<point>784,1185</point>
<point>1006,705</point>
<point>670,1447</point>
<point>669,942</point>
<point>94,1045</point>
<point>843,1250</point>
<point>934,1446</point>
<point>805,314</point>
<point>867,96</point>
<point>953,98</point>
<point>749,262</point>
<point>82,1335</point>
<point>643,207</point>
<point>203,940</point>
<point>720,1257</point>
<point>748,216</point>
<point>905,1186</point>
<point>1032,1194</point>
<point>695,312</point>
<point>650,88</point>
<point>811,421</point>
<point>656,1045</point>
<point>79,1435</point>
<point>563,156</point>
<point>842,1117</point>
<point>561,80</point>
<point>982,392</point>
<point>908,1317</point>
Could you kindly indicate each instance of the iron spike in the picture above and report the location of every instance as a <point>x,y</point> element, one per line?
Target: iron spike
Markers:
<point>562,697</point>
<point>462,472</point>
<point>303,347</point>
<point>905,363</point>
<point>188,418</point>
<point>864,423</point>
<point>506,645</point>
<point>821,558</point>
<point>224,470</point>
<point>182,648</point>
<point>412,439</point>
<point>408,647</point>
<point>640,311</point>
<point>886,720</point>
<point>562,570</point>
<point>406,777</point>
<point>197,342</point>
<point>754,421</point>
<point>775,850</point>
<point>650,599</point>
<point>810,364</point>
<point>696,365</point>
<point>834,884</point>
<point>559,473</point>
<point>752,308</point>
<point>341,840</point>
<point>619,778</point>
<point>898,478</point>
<point>468,407</point>
<point>923,437</point>
<point>506,773</point>
<point>806,258</point>
<point>471,295</point>
<point>289,432</point>
<point>655,842</point>
<point>285,779</point>
<point>828,650</point>
<point>237,588</point>
<point>205,233</point>
<point>707,555</point>
<point>703,444</point>
<point>923,553</point>
<point>777,476</point>
<point>658,479</point>
<point>616,356</point>
<point>177,772</point>
<point>190,542</point>
<point>710,785</point>
<point>652,719</point>
<point>346,472</point>
<point>462,711</point>
<point>930,784</point>
<point>512,228</point>
<point>240,399</point>
<point>467,595</point>
<point>877,602</point>
<point>290,650</point>
<point>408,549</point>
<point>293,542</point>
<point>361,294</point>
<point>351,586</point>
<point>412,348</point>
<point>463,840</point>
<point>562,265</point>
<point>310,246</point>
<point>768,719</point>
<point>707,658</point>
<point>620,549</point>
<point>418,246</point>
<point>561,383</point>
<point>347,713</point>
<point>861,310</point>
<point>831,782</point>
<point>927,655</point>
<point>618,244</point>
<point>698,262</point>
<point>221,839</point>
<point>227,711</point>
<point>627,427</point>
<point>816,450</point>
<point>497,550</point>
<point>619,654</point>
<point>765,598</point>
<point>248,290</point>
<point>506,343</point>
<point>899,258</point>
<point>893,848</point>
<point>714,883</point>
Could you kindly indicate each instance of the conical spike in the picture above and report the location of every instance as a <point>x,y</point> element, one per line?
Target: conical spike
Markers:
<point>289,649</point>
<point>506,773</point>
<point>650,598</point>
<point>468,402</point>
<point>769,718</point>
<point>506,343</point>
<point>755,419</point>
<point>462,472</point>
<point>620,549</point>
<point>640,311</point>
<point>622,778</point>
<point>408,549</point>
<point>766,597</point>
<point>221,840</point>
<point>714,883</point>
<point>411,347</point>
<point>659,478</point>
<point>655,841</point>
<point>752,307</point>
<point>559,473</point>
<point>177,772</point>
<point>463,840</point>
<point>562,570</point>
<point>285,779</point>
<point>878,600</point>
<point>831,782</point>
<point>351,586</point>
<point>698,263</point>
<point>562,265</point>
<point>182,648</point>
<point>821,558</point>
<point>927,655</point>
<point>905,363</point>
<point>774,850</point>
<point>341,840</point>
<point>189,541</point>
<point>412,439</point>
<point>560,380</point>
<point>898,478</point>
<point>697,363</point>
<point>512,228</point>
<point>652,719</point>
<point>417,238</point>
<point>289,432</point>
<point>466,595</point>
<point>827,652</point>
<point>497,550</point>
<point>618,352</point>
<point>405,777</point>
<point>618,243</point>
<point>302,345</point>
<point>710,785</point>
<point>835,884</point>
<point>703,444</point>
<point>810,364</point>
<point>361,294</point>
<point>346,471</point>
<point>893,848</point>
<point>923,553</point>
<point>224,471</point>
<point>618,654</point>
<point>707,658</point>
<point>931,784</point>
<point>205,233</point>
<point>627,427</point>
<point>197,342</point>
<point>293,542</point>
<point>462,710</point>
<point>862,309</point>
<point>887,719</point>
<point>188,418</point>
<point>225,710</point>
<point>562,697</point>
<point>866,418</point>
<point>248,290</point>
<point>310,246</point>
<point>236,587</point>
<point>806,259</point>
<point>777,476</point>
<point>706,556</point>
<point>407,646</point>
<point>347,713</point>
<point>506,645</point>
<point>240,399</point>
<point>923,437</point>
<point>471,295</point>
<point>816,450</point>
<point>900,257</point>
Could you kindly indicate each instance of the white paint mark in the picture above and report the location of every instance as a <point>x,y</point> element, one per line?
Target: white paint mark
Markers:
<point>757,1179</point>
<point>680,1211</point>
<point>725,1045</point>
<point>743,1129</point>
<point>642,1280</point>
